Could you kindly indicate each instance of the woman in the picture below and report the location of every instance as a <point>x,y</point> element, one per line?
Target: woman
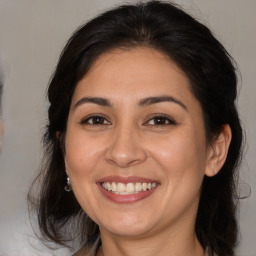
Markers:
<point>144,136</point>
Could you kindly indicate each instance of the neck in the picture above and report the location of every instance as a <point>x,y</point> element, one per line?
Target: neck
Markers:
<point>171,244</point>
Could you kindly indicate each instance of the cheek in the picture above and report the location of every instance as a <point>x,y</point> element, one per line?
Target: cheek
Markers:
<point>180,151</point>
<point>81,160</point>
<point>182,159</point>
<point>183,162</point>
<point>82,153</point>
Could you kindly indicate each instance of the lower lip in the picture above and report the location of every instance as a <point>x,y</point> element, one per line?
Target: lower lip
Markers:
<point>126,199</point>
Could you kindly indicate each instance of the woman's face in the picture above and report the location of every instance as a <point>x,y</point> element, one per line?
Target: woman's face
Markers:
<point>136,151</point>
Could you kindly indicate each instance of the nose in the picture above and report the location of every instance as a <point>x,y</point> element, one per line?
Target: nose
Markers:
<point>125,148</point>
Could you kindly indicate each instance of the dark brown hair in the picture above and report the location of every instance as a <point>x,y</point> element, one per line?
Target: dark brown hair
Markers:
<point>210,69</point>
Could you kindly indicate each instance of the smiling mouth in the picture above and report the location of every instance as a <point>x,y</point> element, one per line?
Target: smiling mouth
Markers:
<point>120,188</point>
<point>126,190</point>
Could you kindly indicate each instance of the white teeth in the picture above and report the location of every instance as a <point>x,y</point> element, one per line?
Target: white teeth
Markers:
<point>138,187</point>
<point>129,188</point>
<point>120,187</point>
<point>114,188</point>
<point>144,186</point>
<point>124,193</point>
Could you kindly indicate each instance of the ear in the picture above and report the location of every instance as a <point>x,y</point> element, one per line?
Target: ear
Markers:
<point>61,138</point>
<point>58,135</point>
<point>218,150</point>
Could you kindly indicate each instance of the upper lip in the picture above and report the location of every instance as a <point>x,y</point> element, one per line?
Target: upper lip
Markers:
<point>125,180</point>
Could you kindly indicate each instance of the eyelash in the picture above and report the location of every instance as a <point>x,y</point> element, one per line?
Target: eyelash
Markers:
<point>154,117</point>
<point>161,117</point>
<point>96,116</point>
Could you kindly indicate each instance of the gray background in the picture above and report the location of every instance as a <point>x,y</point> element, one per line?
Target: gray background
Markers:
<point>32,33</point>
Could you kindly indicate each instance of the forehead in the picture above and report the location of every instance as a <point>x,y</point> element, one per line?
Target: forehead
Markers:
<point>133,73</point>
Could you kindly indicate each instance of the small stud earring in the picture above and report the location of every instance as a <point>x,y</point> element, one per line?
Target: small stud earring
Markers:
<point>68,187</point>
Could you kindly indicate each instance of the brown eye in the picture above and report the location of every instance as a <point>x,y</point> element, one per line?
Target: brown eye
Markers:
<point>95,120</point>
<point>161,120</point>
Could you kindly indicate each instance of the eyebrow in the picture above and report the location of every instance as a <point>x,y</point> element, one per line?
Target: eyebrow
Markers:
<point>96,100</point>
<point>154,100</point>
<point>142,103</point>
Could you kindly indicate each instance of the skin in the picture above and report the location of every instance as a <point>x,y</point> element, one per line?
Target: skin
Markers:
<point>127,142</point>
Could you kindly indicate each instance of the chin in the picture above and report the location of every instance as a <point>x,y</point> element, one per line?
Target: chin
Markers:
<point>128,227</point>
<point>128,232</point>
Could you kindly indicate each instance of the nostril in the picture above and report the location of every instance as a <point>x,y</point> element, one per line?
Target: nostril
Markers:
<point>125,159</point>
<point>126,148</point>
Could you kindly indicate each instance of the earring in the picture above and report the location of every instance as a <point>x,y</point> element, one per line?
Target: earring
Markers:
<point>68,187</point>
